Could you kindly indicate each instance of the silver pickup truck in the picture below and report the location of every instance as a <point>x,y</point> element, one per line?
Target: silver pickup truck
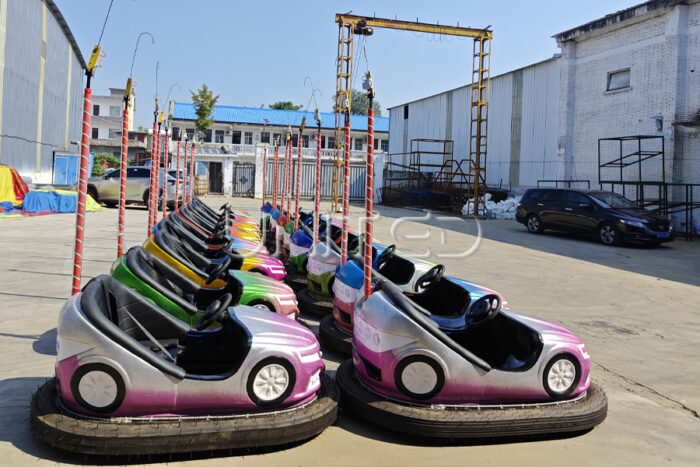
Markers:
<point>105,189</point>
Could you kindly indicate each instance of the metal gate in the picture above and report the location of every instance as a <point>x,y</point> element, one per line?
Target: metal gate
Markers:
<point>308,179</point>
<point>244,180</point>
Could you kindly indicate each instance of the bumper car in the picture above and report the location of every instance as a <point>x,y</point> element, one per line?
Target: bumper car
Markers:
<point>133,379</point>
<point>244,231</point>
<point>502,374</point>
<point>182,256</point>
<point>184,298</point>
<point>420,280</point>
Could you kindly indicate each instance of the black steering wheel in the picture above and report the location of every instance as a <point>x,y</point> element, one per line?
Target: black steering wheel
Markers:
<point>484,309</point>
<point>219,271</point>
<point>224,207</point>
<point>384,256</point>
<point>215,312</point>
<point>434,274</point>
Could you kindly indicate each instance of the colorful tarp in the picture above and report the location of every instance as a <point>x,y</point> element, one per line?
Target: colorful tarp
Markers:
<point>12,187</point>
<point>57,201</point>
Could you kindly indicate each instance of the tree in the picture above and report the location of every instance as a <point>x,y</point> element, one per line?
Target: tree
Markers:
<point>204,102</point>
<point>285,105</point>
<point>102,161</point>
<point>360,104</point>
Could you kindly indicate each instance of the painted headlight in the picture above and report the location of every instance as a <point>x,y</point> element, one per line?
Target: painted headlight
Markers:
<point>314,381</point>
<point>632,223</point>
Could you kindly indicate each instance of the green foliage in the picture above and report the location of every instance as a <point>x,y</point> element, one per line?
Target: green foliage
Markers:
<point>285,105</point>
<point>360,104</point>
<point>204,102</point>
<point>103,160</point>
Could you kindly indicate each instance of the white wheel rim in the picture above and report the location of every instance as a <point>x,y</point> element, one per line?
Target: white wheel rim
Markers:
<point>270,382</point>
<point>419,378</point>
<point>260,306</point>
<point>98,388</point>
<point>533,224</point>
<point>561,376</point>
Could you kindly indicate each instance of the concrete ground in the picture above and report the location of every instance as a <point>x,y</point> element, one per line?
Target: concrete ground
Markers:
<point>636,308</point>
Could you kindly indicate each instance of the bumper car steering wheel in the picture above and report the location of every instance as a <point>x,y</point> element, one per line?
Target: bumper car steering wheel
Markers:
<point>219,271</point>
<point>484,309</point>
<point>434,274</point>
<point>215,312</point>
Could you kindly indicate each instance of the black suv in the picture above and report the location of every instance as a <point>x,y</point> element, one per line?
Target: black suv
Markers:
<point>611,217</point>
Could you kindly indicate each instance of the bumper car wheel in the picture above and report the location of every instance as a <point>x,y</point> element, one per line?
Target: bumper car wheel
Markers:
<point>471,421</point>
<point>419,377</point>
<point>98,387</point>
<point>561,376</point>
<point>334,337</point>
<point>271,381</point>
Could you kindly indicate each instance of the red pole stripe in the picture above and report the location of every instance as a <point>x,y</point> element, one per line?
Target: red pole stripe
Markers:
<point>192,174</point>
<point>369,186</point>
<point>165,173</point>
<point>157,190</point>
<point>275,176</point>
<point>298,184</point>
<point>122,181</point>
<point>152,186</point>
<point>346,194</point>
<point>82,193</point>
<point>285,180</point>
<point>177,175</point>
<point>186,174</point>
<point>317,197</point>
<point>264,178</point>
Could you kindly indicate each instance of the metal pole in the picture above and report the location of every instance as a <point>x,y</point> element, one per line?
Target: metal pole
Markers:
<point>317,197</point>
<point>152,185</point>
<point>264,177</point>
<point>159,148</point>
<point>275,175</point>
<point>298,184</point>
<point>369,193</point>
<point>192,175</point>
<point>165,171</point>
<point>285,179</point>
<point>82,189</point>
<point>177,175</point>
<point>122,181</point>
<point>346,192</point>
<point>185,174</point>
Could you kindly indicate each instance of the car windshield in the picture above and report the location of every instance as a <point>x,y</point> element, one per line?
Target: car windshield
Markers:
<point>614,201</point>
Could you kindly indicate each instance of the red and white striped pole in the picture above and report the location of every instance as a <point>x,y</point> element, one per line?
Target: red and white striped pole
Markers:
<point>285,178</point>
<point>346,192</point>
<point>152,185</point>
<point>298,184</point>
<point>290,179</point>
<point>186,174</point>
<point>264,178</point>
<point>122,178</point>
<point>159,148</point>
<point>317,197</point>
<point>165,170</point>
<point>82,190</point>
<point>177,174</point>
<point>369,193</point>
<point>275,175</point>
<point>192,174</point>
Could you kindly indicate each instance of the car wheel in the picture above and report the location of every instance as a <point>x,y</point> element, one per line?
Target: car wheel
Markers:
<point>419,377</point>
<point>561,376</point>
<point>271,381</point>
<point>98,387</point>
<point>534,224</point>
<point>262,305</point>
<point>92,192</point>
<point>111,204</point>
<point>607,233</point>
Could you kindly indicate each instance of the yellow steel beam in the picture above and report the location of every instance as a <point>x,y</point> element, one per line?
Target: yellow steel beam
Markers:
<point>370,21</point>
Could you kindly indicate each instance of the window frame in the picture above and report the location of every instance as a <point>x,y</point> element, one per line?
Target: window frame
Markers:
<point>95,133</point>
<point>248,136</point>
<point>219,136</point>
<point>96,110</point>
<point>610,75</point>
<point>265,137</point>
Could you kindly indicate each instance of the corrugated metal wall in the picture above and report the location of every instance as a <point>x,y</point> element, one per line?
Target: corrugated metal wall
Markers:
<point>23,50</point>
<point>536,123</point>
<point>308,179</point>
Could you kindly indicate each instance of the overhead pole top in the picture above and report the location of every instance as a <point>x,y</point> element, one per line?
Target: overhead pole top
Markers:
<point>386,23</point>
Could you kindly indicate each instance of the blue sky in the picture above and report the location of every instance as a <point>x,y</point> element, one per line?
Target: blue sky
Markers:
<point>258,52</point>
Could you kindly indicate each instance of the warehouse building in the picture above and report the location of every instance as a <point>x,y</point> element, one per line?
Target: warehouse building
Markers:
<point>635,72</point>
<point>41,87</point>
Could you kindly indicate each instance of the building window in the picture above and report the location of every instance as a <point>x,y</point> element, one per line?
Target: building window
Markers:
<point>305,141</point>
<point>248,137</point>
<point>236,137</point>
<point>323,141</point>
<point>277,139</point>
<point>190,134</point>
<point>385,145</point>
<point>96,110</point>
<point>618,80</point>
<point>176,133</point>
<point>207,136</point>
<point>376,144</point>
<point>405,112</point>
<point>331,142</point>
<point>358,144</point>
<point>114,110</point>
<point>95,133</point>
<point>219,136</point>
<point>114,134</point>
<point>265,137</point>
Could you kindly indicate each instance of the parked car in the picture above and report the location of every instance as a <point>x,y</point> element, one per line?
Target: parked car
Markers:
<point>106,188</point>
<point>609,216</point>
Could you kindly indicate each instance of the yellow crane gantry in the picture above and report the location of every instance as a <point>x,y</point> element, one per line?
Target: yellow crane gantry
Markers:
<point>351,25</point>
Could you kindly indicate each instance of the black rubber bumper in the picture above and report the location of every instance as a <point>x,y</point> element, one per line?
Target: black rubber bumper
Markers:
<point>294,278</point>
<point>313,305</point>
<point>142,436</point>
<point>471,422</point>
<point>333,337</point>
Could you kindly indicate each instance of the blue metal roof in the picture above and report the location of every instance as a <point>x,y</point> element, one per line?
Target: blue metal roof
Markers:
<point>256,116</point>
